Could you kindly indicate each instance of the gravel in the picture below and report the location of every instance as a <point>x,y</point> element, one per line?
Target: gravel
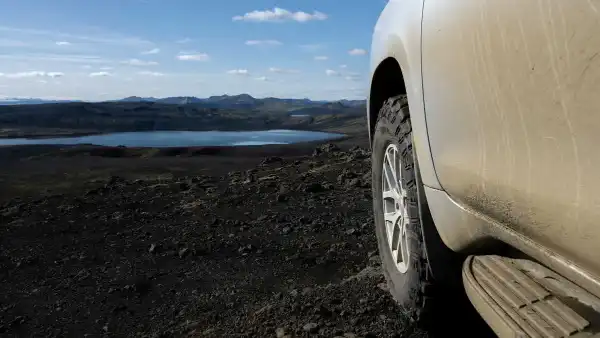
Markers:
<point>285,248</point>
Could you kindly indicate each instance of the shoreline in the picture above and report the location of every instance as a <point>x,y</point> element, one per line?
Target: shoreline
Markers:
<point>66,134</point>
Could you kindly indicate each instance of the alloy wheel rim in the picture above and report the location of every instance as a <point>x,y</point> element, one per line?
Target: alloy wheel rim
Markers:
<point>395,209</point>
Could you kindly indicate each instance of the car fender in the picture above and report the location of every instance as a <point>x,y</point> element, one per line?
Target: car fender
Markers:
<point>397,35</point>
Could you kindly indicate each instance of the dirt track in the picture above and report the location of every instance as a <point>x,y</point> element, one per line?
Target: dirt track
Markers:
<point>225,245</point>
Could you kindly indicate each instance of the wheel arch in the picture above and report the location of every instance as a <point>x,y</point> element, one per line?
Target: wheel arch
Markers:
<point>392,77</point>
<point>387,81</point>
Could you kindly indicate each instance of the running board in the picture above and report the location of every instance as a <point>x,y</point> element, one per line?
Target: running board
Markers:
<point>520,298</point>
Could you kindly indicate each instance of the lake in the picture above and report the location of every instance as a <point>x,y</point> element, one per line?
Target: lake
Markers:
<point>183,138</point>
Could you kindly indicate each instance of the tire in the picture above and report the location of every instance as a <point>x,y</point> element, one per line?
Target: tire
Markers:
<point>413,289</point>
<point>441,308</point>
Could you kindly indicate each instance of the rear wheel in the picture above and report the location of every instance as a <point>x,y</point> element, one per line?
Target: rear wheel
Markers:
<point>396,210</point>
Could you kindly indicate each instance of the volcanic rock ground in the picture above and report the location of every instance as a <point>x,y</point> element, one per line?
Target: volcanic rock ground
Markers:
<point>272,241</point>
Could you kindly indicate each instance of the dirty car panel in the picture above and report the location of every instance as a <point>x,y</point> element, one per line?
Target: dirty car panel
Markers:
<point>511,99</point>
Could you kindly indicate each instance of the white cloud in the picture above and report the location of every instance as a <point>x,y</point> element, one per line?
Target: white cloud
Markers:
<point>331,72</point>
<point>283,70</point>
<point>184,40</point>
<point>262,78</point>
<point>352,77</point>
<point>30,74</point>
<point>138,62</point>
<point>321,58</point>
<point>151,51</point>
<point>357,51</point>
<point>100,74</point>
<point>63,43</point>
<point>193,57</point>
<point>279,15</point>
<point>243,72</point>
<point>148,73</point>
<point>25,74</point>
<point>343,66</point>
<point>86,67</point>
<point>105,68</point>
<point>263,42</point>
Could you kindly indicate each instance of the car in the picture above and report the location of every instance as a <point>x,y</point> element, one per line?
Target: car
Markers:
<point>484,125</point>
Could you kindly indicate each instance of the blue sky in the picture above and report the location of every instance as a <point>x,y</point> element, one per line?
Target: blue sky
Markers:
<point>95,50</point>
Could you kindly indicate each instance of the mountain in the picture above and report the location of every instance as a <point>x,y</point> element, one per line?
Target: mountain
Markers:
<point>329,108</point>
<point>241,101</point>
<point>353,103</point>
<point>179,100</point>
<point>246,101</point>
<point>138,99</point>
<point>232,101</point>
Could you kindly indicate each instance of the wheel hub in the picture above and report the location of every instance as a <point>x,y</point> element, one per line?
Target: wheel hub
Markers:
<point>395,209</point>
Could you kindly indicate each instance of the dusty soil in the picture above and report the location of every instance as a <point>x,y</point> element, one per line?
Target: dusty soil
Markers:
<point>270,241</point>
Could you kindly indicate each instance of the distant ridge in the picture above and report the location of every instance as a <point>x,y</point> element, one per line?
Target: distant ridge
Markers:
<point>241,101</point>
<point>138,99</point>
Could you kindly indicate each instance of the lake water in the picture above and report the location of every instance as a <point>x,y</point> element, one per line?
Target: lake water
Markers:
<point>183,138</point>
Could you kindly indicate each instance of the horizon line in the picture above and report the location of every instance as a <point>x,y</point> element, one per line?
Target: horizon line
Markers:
<point>14,98</point>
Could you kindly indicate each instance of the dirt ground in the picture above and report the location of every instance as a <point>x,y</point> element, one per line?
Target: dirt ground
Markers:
<point>273,241</point>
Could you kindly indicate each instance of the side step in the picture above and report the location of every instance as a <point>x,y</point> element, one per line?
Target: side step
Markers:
<point>520,298</point>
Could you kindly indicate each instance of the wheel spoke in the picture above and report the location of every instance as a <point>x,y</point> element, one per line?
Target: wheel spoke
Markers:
<point>395,256</point>
<point>391,216</point>
<point>390,220</point>
<point>390,195</point>
<point>395,166</point>
<point>389,177</point>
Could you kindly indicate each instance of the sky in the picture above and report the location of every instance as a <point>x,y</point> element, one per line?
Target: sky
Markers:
<point>109,49</point>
